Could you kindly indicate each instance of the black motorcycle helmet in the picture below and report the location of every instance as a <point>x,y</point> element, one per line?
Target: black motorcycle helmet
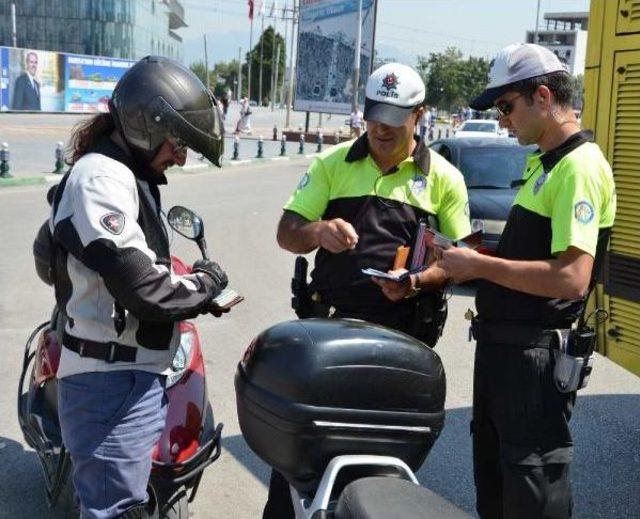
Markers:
<point>158,98</point>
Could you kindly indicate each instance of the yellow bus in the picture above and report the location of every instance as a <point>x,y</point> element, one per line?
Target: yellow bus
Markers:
<point>612,111</point>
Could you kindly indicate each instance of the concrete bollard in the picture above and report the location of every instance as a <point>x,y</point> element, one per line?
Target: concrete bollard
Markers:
<point>59,166</point>
<point>236,148</point>
<point>4,161</point>
<point>275,132</point>
<point>337,137</point>
<point>283,146</point>
<point>319,142</point>
<point>447,133</point>
<point>439,133</point>
<point>260,148</point>
<point>301,147</point>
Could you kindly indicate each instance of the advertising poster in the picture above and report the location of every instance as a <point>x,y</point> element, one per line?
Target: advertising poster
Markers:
<point>90,80</point>
<point>32,80</point>
<point>326,54</point>
<point>4,79</point>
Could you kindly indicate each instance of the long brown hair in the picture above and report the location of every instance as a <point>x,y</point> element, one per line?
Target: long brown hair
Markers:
<point>86,134</point>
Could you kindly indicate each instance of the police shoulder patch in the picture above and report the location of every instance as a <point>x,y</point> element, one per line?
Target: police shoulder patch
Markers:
<point>304,181</point>
<point>539,183</point>
<point>583,211</point>
<point>113,222</point>
<point>418,184</point>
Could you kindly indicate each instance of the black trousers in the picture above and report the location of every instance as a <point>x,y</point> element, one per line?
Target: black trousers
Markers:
<point>522,446</point>
<point>279,504</point>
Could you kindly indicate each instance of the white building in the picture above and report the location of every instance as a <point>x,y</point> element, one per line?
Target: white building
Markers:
<point>566,35</point>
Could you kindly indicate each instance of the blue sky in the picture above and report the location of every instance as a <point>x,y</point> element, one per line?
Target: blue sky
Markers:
<point>405,28</point>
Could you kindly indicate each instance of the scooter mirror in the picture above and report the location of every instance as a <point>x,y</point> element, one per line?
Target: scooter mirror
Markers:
<point>185,222</point>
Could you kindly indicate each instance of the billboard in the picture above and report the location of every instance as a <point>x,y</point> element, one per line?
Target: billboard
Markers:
<point>89,82</point>
<point>326,54</point>
<point>35,80</point>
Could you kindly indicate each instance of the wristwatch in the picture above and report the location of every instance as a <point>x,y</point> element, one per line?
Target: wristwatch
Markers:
<point>416,288</point>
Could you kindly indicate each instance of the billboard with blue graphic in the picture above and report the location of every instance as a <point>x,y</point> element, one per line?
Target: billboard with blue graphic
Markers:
<point>35,80</point>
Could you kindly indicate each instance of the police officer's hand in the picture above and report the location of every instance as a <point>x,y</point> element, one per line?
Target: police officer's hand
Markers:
<point>337,235</point>
<point>214,271</point>
<point>459,264</point>
<point>395,290</point>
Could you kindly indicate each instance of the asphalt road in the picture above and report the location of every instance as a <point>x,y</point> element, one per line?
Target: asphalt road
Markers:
<point>240,207</point>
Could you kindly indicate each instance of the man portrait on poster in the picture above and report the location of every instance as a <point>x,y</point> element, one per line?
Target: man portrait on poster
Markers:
<point>26,89</point>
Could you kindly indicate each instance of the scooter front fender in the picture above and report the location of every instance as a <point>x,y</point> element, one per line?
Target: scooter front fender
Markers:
<point>186,411</point>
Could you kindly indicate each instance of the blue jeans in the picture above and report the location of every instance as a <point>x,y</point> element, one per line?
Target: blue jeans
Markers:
<point>110,423</point>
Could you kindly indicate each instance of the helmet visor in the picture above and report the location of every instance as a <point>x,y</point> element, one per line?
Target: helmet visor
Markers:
<point>200,130</point>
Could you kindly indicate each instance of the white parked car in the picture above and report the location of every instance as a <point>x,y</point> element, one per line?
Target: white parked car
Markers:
<point>481,128</point>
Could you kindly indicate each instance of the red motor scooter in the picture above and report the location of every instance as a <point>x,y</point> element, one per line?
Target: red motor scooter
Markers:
<point>190,441</point>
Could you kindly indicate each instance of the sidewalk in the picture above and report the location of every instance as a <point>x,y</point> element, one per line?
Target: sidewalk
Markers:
<point>33,137</point>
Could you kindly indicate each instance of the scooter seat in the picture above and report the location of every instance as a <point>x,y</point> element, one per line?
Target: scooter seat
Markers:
<point>392,498</point>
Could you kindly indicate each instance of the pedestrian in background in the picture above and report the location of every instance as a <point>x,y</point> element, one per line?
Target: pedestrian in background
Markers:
<point>355,121</point>
<point>532,294</point>
<point>244,123</point>
<point>425,123</point>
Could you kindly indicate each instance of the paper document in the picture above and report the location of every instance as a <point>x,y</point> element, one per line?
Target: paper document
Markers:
<point>434,238</point>
<point>385,275</point>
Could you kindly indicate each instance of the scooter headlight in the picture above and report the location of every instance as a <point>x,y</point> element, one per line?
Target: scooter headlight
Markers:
<point>182,358</point>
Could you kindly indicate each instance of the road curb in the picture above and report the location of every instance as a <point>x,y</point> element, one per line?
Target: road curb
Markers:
<point>50,178</point>
<point>194,167</point>
<point>22,181</point>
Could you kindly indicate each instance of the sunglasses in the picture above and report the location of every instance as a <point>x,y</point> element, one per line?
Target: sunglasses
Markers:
<point>505,107</point>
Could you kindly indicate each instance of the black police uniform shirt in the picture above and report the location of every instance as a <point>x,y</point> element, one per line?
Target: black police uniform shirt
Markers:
<point>384,209</point>
<point>567,200</point>
<point>115,259</point>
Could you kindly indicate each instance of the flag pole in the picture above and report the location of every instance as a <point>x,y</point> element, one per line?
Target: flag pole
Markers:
<point>273,54</point>
<point>250,58</point>
<point>291,65</point>
<point>356,64</point>
<point>261,61</point>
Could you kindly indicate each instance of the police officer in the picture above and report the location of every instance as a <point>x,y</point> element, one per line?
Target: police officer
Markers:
<point>534,290</point>
<point>359,202</point>
<point>114,282</point>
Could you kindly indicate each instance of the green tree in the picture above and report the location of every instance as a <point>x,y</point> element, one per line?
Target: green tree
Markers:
<point>226,77</point>
<point>223,76</point>
<point>267,63</point>
<point>578,91</point>
<point>450,80</point>
<point>199,69</point>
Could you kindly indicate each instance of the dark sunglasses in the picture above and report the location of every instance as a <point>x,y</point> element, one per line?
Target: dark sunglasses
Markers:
<point>505,107</point>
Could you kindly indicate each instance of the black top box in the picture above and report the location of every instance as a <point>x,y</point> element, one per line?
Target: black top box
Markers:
<point>313,389</point>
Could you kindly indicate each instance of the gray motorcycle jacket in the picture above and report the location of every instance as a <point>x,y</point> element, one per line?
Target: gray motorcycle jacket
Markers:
<point>112,266</point>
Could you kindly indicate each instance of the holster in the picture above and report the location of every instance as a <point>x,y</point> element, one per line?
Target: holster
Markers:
<point>573,359</point>
<point>430,315</point>
<point>304,301</point>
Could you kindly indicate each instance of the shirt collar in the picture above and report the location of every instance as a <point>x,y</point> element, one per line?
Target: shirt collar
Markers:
<point>421,156</point>
<point>552,157</point>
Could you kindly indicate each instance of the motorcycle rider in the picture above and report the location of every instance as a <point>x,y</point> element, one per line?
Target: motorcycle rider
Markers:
<point>114,281</point>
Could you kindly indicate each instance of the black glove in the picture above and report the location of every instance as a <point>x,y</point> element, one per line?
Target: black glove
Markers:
<point>215,272</point>
<point>217,312</point>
